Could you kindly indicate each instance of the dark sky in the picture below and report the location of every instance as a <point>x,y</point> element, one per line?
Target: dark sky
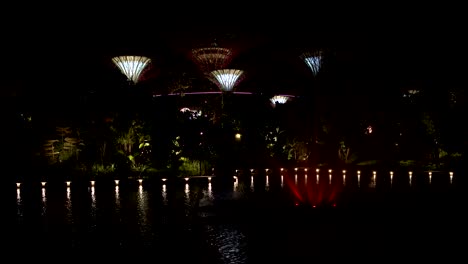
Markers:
<point>45,54</point>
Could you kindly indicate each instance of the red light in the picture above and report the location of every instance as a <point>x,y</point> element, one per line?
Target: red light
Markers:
<point>313,206</point>
<point>334,205</point>
<point>297,204</point>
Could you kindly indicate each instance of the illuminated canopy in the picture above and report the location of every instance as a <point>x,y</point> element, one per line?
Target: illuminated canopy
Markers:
<point>280,99</point>
<point>131,66</point>
<point>211,58</point>
<point>226,79</point>
<point>313,60</point>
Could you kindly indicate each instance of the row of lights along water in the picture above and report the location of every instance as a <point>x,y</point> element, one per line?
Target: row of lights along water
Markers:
<point>267,176</point>
<point>303,187</point>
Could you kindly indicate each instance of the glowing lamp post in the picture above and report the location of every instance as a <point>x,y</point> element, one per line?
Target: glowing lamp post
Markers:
<point>131,66</point>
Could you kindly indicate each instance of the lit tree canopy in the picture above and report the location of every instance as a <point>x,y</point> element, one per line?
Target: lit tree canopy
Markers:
<point>211,58</point>
<point>227,79</point>
<point>279,99</point>
<point>313,59</point>
<point>131,66</point>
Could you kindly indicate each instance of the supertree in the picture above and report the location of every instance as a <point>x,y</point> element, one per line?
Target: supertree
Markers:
<point>211,58</point>
<point>131,66</point>
<point>227,79</point>
<point>313,59</point>
<point>279,99</point>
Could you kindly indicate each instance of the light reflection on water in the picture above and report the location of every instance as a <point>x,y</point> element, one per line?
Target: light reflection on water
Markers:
<point>229,241</point>
<point>69,207</point>
<point>252,184</point>
<point>44,201</point>
<point>19,206</point>
<point>117,198</point>
<point>164,193</point>
<point>93,206</point>
<point>137,213</point>
<point>144,218</point>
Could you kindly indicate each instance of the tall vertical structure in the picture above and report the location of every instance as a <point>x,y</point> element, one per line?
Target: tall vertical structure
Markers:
<point>314,60</point>
<point>226,80</point>
<point>131,66</point>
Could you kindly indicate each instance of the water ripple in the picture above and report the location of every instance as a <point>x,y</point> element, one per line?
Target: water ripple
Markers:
<point>229,241</point>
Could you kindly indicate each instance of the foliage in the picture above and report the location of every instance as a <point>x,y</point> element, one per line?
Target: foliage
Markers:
<point>100,169</point>
<point>407,163</point>
<point>64,145</point>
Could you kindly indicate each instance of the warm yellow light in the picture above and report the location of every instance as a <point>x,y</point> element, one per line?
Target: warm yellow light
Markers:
<point>430,173</point>
<point>92,183</point>
<point>305,169</point>
<point>410,173</point>
<point>451,174</point>
<point>329,170</point>
<point>43,184</point>
<point>140,181</point>
<point>18,184</point>
<point>266,170</point>
<point>295,169</point>
<point>164,179</point>
<point>186,179</point>
<point>391,172</point>
<point>358,172</point>
<point>344,171</point>
<point>116,182</point>
<point>281,169</point>
<point>317,170</point>
<point>238,136</point>
<point>68,183</point>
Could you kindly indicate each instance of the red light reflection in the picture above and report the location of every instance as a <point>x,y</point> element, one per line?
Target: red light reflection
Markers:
<point>307,189</point>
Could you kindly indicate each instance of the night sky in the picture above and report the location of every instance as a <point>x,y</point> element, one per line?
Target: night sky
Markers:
<point>56,54</point>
